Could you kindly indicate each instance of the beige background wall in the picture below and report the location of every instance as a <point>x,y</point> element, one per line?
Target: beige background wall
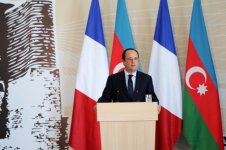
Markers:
<point>71,22</point>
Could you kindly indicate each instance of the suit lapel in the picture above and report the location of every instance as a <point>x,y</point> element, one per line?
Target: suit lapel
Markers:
<point>138,83</point>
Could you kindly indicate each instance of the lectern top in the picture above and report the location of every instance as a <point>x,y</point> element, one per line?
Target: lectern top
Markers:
<point>137,111</point>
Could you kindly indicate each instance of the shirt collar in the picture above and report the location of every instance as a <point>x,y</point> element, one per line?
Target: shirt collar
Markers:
<point>127,73</point>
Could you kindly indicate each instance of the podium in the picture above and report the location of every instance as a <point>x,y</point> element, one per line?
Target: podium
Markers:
<point>127,126</point>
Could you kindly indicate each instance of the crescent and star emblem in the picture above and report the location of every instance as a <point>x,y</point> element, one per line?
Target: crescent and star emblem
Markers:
<point>118,67</point>
<point>202,88</point>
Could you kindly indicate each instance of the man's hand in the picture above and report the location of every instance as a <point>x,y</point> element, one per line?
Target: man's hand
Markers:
<point>159,108</point>
<point>95,108</point>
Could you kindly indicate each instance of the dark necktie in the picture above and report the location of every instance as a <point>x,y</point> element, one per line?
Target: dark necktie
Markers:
<point>130,86</point>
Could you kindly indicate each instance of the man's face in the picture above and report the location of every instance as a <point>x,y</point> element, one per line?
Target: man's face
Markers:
<point>131,61</point>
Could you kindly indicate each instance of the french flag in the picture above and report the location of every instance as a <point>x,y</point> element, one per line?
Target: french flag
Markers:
<point>164,69</point>
<point>91,78</point>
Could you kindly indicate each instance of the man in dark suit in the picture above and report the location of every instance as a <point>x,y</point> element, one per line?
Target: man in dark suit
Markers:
<point>129,85</point>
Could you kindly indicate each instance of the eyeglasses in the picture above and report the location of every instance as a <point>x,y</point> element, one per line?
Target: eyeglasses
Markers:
<point>132,59</point>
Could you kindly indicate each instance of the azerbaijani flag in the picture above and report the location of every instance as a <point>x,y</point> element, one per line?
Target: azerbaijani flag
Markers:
<point>202,125</point>
<point>164,69</point>
<point>91,78</point>
<point>123,37</point>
